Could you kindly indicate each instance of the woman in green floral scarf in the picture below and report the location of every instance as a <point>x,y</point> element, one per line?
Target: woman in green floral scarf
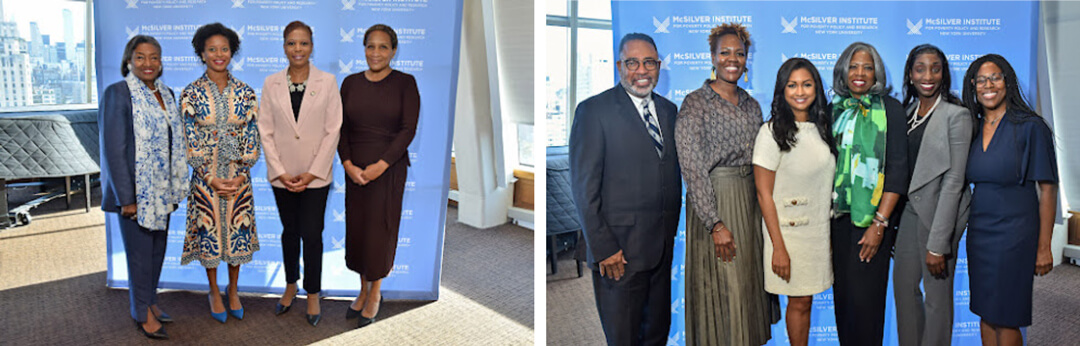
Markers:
<point>871,173</point>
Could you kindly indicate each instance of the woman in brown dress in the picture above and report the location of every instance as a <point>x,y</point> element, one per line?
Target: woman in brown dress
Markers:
<point>726,301</point>
<point>381,108</point>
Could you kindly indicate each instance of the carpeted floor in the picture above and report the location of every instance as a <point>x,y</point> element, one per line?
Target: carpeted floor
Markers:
<point>571,308</point>
<point>52,292</point>
<point>572,317</point>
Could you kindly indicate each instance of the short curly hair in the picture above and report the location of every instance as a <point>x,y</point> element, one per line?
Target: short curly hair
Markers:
<point>207,31</point>
<point>728,28</point>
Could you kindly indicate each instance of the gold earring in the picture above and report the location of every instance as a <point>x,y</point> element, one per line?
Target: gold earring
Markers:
<point>746,76</point>
<point>712,76</point>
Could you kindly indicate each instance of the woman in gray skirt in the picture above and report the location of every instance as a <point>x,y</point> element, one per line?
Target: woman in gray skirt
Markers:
<point>714,134</point>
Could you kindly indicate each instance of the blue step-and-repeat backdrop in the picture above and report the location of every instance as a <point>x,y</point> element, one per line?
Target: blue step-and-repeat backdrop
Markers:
<point>819,31</point>
<point>428,35</point>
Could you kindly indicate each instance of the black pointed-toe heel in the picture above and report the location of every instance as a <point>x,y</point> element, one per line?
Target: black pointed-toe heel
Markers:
<point>280,309</point>
<point>313,320</point>
<point>365,321</point>
<point>351,314</point>
<point>159,334</point>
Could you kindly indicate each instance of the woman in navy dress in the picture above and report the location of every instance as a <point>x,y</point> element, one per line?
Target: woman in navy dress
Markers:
<point>1013,167</point>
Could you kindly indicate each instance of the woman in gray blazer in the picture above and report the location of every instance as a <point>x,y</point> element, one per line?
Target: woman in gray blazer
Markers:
<point>935,212</point>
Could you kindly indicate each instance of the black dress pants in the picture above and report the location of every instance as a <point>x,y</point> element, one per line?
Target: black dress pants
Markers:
<point>302,215</point>
<point>859,288</point>
<point>636,310</point>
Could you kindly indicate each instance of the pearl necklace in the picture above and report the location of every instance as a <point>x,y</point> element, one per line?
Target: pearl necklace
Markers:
<point>916,120</point>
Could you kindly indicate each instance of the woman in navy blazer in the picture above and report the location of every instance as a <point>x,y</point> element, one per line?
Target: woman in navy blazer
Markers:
<point>144,173</point>
<point>300,124</point>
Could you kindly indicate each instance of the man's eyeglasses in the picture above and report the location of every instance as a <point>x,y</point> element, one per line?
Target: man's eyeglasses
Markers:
<point>994,78</point>
<point>650,64</point>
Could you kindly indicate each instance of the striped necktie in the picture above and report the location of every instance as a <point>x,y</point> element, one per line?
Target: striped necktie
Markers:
<point>654,129</point>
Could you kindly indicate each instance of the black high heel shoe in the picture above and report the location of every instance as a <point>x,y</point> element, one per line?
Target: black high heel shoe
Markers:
<point>365,321</point>
<point>351,314</point>
<point>280,309</point>
<point>159,334</point>
<point>313,320</point>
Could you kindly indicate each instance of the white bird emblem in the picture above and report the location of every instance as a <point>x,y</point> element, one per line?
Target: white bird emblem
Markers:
<point>338,216</point>
<point>345,67</point>
<point>131,33</point>
<point>913,29</point>
<point>347,5</point>
<point>789,27</point>
<point>347,36</point>
<point>338,244</point>
<point>237,3</point>
<point>238,65</point>
<point>661,27</point>
<point>132,3</point>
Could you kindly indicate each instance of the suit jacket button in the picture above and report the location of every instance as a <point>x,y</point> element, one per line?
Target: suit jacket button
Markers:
<point>794,202</point>
<point>792,224</point>
<point>297,136</point>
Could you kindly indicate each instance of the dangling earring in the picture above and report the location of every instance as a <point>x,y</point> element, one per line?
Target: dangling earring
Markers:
<point>712,76</point>
<point>746,75</point>
<point>130,67</point>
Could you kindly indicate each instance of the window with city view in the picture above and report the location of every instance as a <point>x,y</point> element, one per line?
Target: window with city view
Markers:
<point>43,54</point>
<point>579,60</point>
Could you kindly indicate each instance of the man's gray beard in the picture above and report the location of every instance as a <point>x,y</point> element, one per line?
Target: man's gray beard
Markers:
<point>630,88</point>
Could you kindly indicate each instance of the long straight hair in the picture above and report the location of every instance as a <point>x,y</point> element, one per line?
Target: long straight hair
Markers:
<point>910,92</point>
<point>782,119</point>
<point>1014,99</point>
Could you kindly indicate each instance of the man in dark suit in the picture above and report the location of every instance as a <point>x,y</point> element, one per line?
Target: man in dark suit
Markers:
<point>626,184</point>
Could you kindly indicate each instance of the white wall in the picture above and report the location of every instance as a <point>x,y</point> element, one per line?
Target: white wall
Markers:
<point>495,93</point>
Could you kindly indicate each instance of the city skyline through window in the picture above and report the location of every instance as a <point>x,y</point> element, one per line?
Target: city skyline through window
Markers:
<point>43,54</point>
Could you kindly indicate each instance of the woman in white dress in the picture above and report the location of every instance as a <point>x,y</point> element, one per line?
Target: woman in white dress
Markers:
<point>794,161</point>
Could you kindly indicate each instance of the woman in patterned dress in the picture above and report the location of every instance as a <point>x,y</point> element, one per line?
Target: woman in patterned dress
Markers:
<point>726,302</point>
<point>223,143</point>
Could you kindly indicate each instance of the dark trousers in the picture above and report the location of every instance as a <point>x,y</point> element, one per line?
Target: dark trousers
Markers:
<point>145,251</point>
<point>302,215</point>
<point>636,309</point>
<point>859,288</point>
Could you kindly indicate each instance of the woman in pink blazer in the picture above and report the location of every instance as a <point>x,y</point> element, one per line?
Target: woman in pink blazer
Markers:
<point>300,122</point>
